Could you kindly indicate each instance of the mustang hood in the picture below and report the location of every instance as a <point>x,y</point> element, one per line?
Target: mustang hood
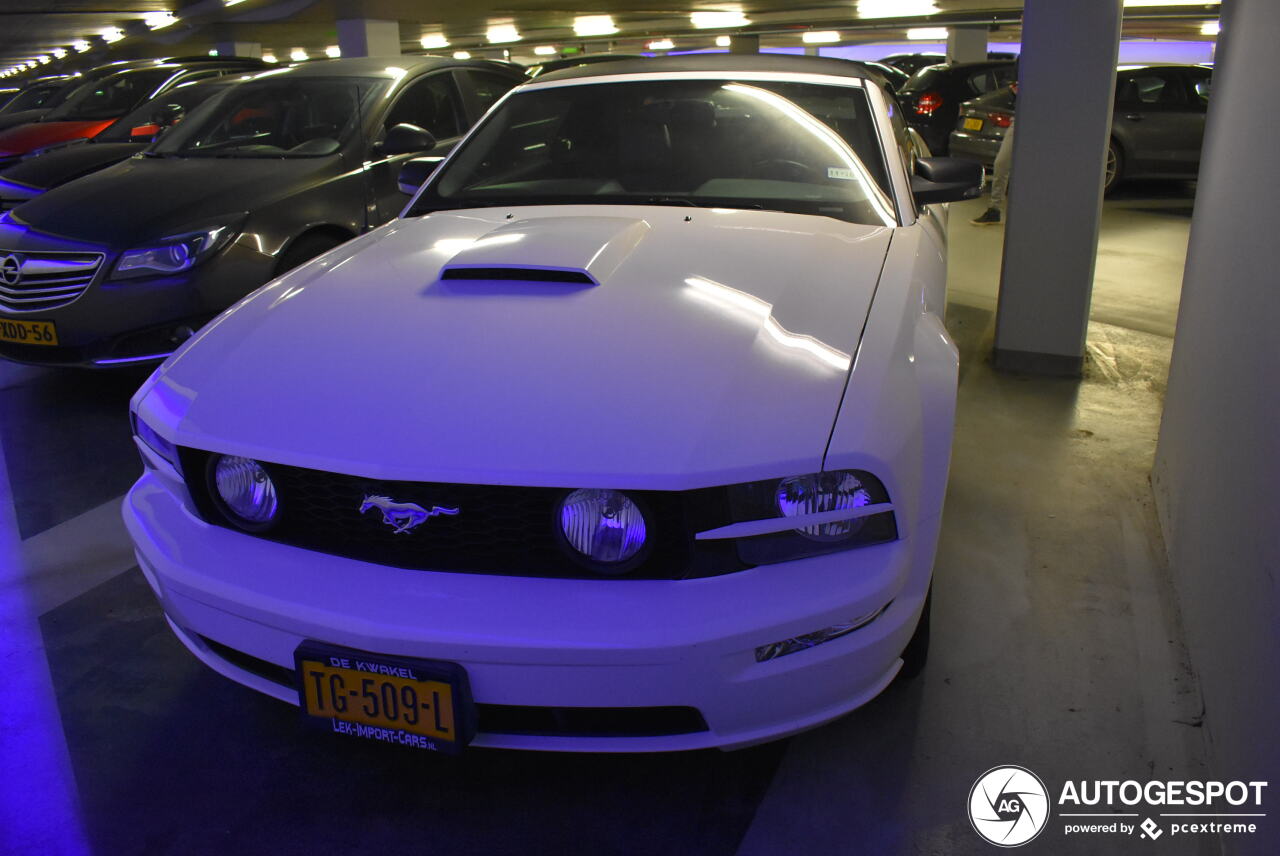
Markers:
<point>162,194</point>
<point>28,138</point>
<point>624,346</point>
<point>59,167</point>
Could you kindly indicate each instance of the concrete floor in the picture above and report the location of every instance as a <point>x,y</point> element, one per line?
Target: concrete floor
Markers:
<point>1056,646</point>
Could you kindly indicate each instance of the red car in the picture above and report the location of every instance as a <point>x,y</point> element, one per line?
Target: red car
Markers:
<point>98,103</point>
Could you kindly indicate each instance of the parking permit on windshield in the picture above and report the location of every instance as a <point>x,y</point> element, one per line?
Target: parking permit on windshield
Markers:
<point>841,172</point>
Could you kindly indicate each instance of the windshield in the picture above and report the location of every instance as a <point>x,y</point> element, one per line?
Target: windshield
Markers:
<point>146,122</point>
<point>798,147</point>
<point>111,96</point>
<point>274,118</point>
<point>32,97</point>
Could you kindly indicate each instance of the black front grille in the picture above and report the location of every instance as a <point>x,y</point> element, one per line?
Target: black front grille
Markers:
<point>519,719</point>
<point>497,530</point>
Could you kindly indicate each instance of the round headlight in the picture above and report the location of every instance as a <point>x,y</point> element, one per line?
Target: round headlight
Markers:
<point>819,492</point>
<point>605,526</point>
<point>248,495</point>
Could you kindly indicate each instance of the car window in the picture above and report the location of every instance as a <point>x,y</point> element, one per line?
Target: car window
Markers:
<point>31,98</point>
<point>991,79</point>
<point>272,118</point>
<point>430,103</point>
<point>485,88</point>
<point>782,146</point>
<point>111,96</point>
<point>1149,89</point>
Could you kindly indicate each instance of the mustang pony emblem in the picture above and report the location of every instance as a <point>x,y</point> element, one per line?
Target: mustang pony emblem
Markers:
<point>402,516</point>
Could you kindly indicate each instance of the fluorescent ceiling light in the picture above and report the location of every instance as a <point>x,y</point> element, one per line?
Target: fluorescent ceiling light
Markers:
<point>268,56</point>
<point>544,50</point>
<point>44,59</point>
<point>896,8</point>
<point>59,53</point>
<point>820,37</point>
<point>433,41</point>
<point>661,45</point>
<point>111,34</point>
<point>723,41</point>
<point>461,55</point>
<point>928,34</point>
<point>298,54</point>
<point>1210,28</point>
<point>81,45</point>
<point>333,52</point>
<point>1171,3</point>
<point>500,33</point>
<point>213,52</point>
<point>716,20</point>
<point>158,20</point>
<point>594,25</point>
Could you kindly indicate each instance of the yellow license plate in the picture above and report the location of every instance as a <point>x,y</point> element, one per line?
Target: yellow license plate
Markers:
<point>413,703</point>
<point>972,124</point>
<point>28,332</point>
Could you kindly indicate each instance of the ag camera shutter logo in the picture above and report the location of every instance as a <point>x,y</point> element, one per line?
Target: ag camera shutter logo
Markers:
<point>1008,806</point>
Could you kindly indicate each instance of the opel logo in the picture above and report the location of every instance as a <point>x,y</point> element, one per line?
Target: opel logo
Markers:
<point>10,269</point>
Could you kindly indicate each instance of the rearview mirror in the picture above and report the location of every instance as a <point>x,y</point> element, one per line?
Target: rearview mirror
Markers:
<point>406,139</point>
<point>945,180</point>
<point>415,172</point>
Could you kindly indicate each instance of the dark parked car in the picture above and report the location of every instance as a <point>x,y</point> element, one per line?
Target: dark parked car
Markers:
<point>931,99</point>
<point>1156,130</point>
<point>36,98</point>
<point>255,181</point>
<point>129,135</point>
<point>913,62</point>
<point>94,106</point>
<point>551,65</point>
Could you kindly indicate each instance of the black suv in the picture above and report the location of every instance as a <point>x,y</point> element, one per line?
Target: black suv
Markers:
<point>931,99</point>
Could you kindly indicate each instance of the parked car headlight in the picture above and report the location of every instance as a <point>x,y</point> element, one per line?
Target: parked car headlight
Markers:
<point>175,253</point>
<point>604,526</point>
<point>820,492</point>
<point>154,441</point>
<point>812,494</point>
<point>244,491</point>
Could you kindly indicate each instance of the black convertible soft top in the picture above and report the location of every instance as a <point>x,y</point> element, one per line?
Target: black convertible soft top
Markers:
<point>779,63</point>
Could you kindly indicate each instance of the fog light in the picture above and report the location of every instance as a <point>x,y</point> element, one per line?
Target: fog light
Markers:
<point>774,650</point>
<point>604,526</point>
<point>247,494</point>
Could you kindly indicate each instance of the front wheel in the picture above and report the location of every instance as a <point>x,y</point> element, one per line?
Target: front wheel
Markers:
<point>1115,163</point>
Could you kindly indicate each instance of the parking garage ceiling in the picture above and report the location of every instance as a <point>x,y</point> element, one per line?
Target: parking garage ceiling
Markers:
<point>60,35</point>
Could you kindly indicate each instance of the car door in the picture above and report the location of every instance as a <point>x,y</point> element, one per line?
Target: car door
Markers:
<point>1157,125</point>
<point>431,102</point>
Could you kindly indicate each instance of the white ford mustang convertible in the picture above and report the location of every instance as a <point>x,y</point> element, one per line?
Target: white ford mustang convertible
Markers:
<point>630,434</point>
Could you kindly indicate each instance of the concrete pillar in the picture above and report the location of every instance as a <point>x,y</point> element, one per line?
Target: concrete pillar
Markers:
<point>744,44</point>
<point>368,37</point>
<point>232,48</point>
<point>1068,78</point>
<point>967,44</point>
<point>1215,472</point>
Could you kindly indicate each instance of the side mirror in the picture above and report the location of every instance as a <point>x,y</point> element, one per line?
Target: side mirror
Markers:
<point>405,139</point>
<point>946,180</point>
<point>415,172</point>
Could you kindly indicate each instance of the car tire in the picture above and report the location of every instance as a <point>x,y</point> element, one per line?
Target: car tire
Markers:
<point>305,249</point>
<point>916,654</point>
<point>1114,168</point>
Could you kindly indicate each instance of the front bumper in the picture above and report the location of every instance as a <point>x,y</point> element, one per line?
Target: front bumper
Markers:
<point>548,643</point>
<point>142,320</point>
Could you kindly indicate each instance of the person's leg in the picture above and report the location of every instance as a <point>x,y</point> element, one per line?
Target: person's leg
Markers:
<point>999,182</point>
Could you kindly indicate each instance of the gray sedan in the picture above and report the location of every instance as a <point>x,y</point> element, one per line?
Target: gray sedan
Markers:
<point>1156,131</point>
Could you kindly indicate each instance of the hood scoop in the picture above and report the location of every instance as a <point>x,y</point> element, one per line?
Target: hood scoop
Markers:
<point>576,250</point>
